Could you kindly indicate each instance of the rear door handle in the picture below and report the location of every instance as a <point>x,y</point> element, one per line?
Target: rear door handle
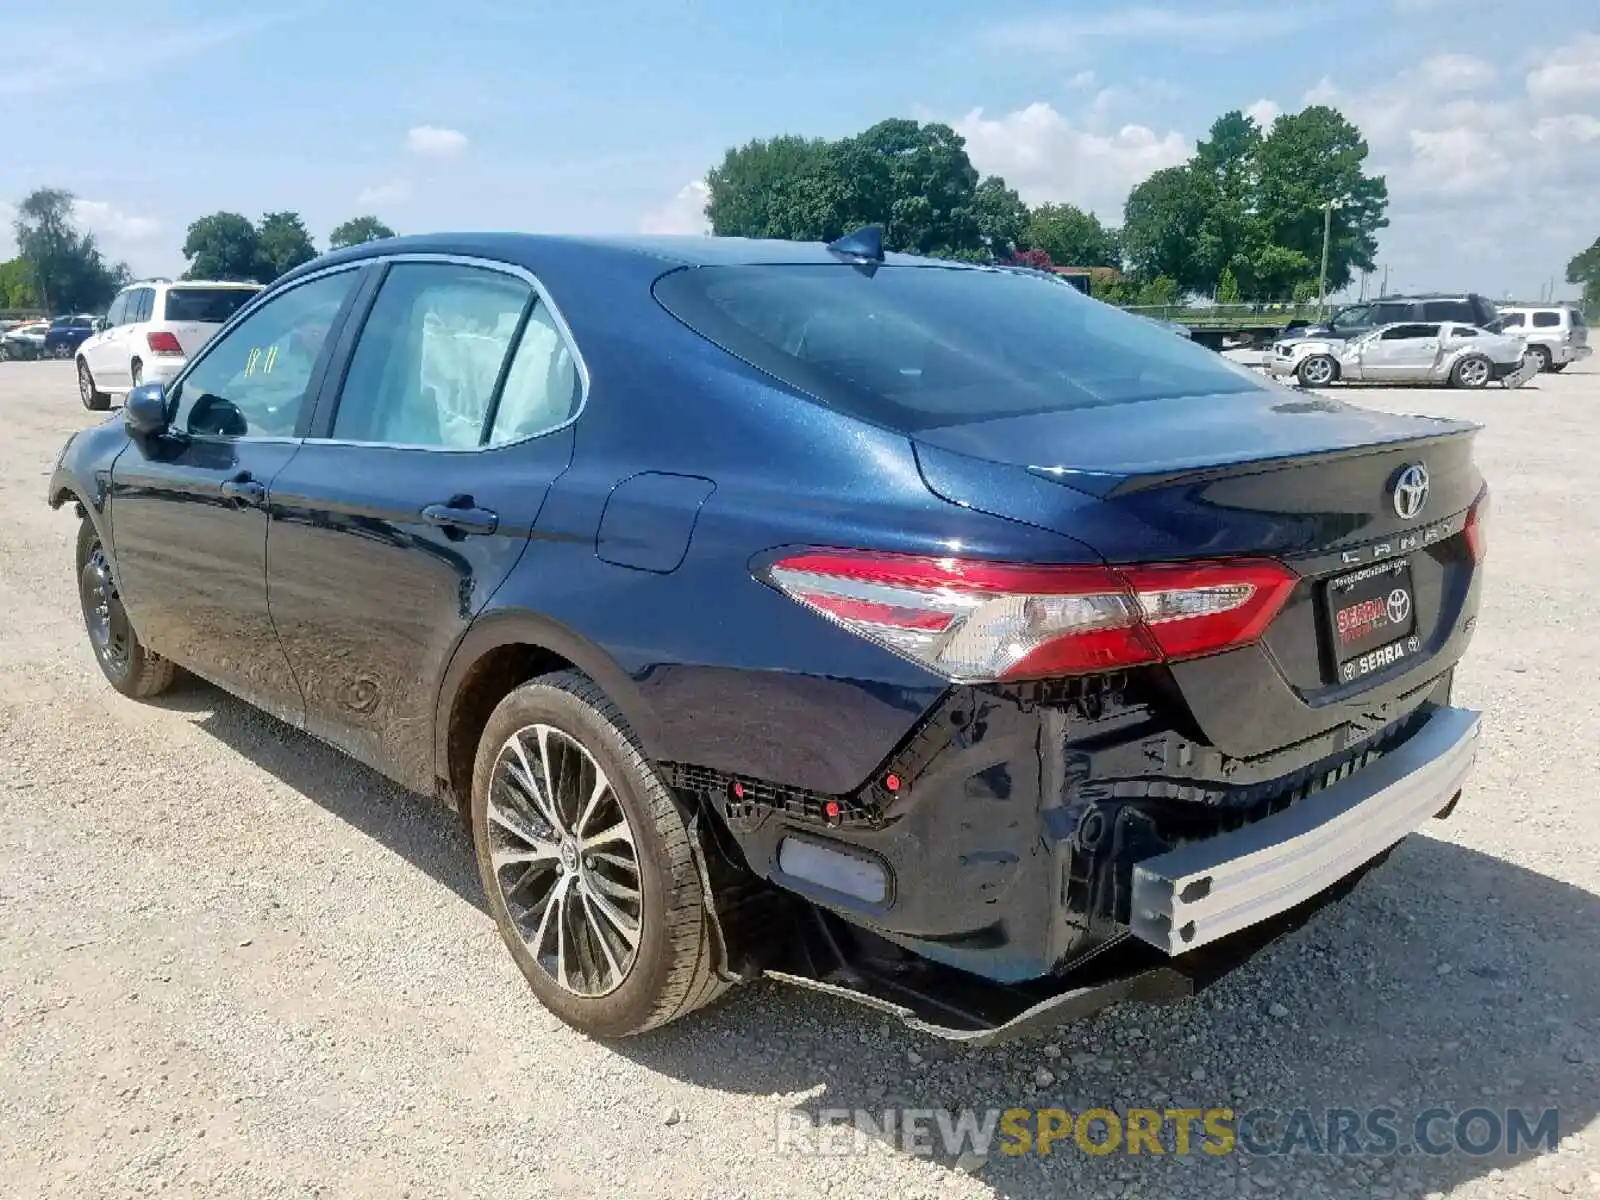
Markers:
<point>461,515</point>
<point>243,490</point>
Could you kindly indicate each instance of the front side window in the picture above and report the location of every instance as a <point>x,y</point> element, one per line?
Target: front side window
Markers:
<point>1401,333</point>
<point>916,348</point>
<point>1354,316</point>
<point>1463,331</point>
<point>429,358</point>
<point>1448,310</point>
<point>253,382</point>
<point>1395,311</point>
<point>1547,320</point>
<point>1511,320</point>
<point>117,314</point>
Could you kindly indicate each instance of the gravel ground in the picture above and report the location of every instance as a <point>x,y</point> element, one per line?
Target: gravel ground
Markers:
<point>234,963</point>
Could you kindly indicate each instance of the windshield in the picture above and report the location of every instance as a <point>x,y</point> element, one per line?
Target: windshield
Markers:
<point>920,347</point>
<point>1355,314</point>
<point>206,305</point>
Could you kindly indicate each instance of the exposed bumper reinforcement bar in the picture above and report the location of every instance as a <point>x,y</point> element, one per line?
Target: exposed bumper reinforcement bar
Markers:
<point>1210,889</point>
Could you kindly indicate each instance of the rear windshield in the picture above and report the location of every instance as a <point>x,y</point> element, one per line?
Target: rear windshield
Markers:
<point>921,347</point>
<point>1576,317</point>
<point>213,305</point>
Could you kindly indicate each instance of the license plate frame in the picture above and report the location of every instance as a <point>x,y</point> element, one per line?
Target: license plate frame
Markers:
<point>1369,618</point>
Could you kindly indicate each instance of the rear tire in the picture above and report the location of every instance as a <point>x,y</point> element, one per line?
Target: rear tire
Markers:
<point>1556,368</point>
<point>597,896</point>
<point>1318,370</point>
<point>123,659</point>
<point>1474,371</point>
<point>93,398</point>
<point>1542,353</point>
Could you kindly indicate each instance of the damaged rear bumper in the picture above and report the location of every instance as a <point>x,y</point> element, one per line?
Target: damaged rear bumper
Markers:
<point>1210,889</point>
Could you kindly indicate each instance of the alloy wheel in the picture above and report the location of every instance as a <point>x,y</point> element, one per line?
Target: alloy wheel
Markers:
<point>102,607</point>
<point>85,385</point>
<point>565,861</point>
<point>1318,371</point>
<point>1475,372</point>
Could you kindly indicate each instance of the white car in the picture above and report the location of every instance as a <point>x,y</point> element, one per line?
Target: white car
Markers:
<point>1556,333</point>
<point>1460,355</point>
<point>150,331</point>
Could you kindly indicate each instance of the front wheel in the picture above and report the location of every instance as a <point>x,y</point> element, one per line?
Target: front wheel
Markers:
<point>1318,370</point>
<point>1473,371</point>
<point>585,857</point>
<point>123,659</point>
<point>93,398</point>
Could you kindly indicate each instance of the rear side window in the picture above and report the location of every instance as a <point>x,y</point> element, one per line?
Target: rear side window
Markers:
<point>1395,311</point>
<point>921,347</point>
<point>140,305</point>
<point>1402,333</point>
<point>210,306</point>
<point>1546,320</point>
<point>1449,310</point>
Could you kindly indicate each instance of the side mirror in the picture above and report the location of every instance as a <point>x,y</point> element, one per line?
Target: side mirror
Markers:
<point>98,324</point>
<point>144,412</point>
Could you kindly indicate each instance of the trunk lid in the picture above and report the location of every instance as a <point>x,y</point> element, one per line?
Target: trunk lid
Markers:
<point>1310,481</point>
<point>192,335</point>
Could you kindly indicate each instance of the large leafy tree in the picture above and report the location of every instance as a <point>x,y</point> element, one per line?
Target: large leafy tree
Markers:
<point>784,187</point>
<point>282,243</point>
<point>64,267</point>
<point>1585,269</point>
<point>1163,224</point>
<point>357,231</point>
<point>1310,158</point>
<point>223,245</point>
<point>1002,217</point>
<point>16,285</point>
<point>1071,237</point>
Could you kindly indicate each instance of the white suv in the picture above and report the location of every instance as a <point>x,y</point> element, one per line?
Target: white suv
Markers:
<point>150,331</point>
<point>1556,334</point>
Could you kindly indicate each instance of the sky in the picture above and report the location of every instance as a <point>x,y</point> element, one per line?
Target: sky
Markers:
<point>602,116</point>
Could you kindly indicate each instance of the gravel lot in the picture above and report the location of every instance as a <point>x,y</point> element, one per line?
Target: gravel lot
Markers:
<point>234,963</point>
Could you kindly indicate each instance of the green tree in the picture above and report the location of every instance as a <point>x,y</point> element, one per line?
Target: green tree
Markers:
<point>1312,157</point>
<point>1227,287</point>
<point>65,268</point>
<point>785,187</point>
<point>282,244</point>
<point>16,285</point>
<point>1071,237</point>
<point>1585,269</point>
<point>1161,228</point>
<point>1002,217</point>
<point>1229,163</point>
<point>358,230</point>
<point>223,245</point>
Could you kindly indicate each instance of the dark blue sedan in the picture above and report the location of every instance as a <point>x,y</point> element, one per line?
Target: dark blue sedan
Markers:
<point>928,633</point>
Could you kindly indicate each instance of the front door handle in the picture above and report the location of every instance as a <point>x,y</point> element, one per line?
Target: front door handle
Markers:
<point>243,491</point>
<point>462,515</point>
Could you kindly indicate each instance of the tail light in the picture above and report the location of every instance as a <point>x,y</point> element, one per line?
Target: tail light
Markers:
<point>1477,527</point>
<point>162,341</point>
<point>975,621</point>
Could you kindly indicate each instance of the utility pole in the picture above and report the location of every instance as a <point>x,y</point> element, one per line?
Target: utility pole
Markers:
<point>1327,233</point>
<point>1383,290</point>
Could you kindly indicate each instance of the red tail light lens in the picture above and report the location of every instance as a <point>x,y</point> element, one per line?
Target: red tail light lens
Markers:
<point>1477,527</point>
<point>974,621</point>
<point>162,341</point>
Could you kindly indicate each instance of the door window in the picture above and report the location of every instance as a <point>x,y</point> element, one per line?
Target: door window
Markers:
<point>118,312</point>
<point>1409,332</point>
<point>1511,321</point>
<point>253,381</point>
<point>139,305</point>
<point>1449,310</point>
<point>1398,311</point>
<point>542,389</point>
<point>1546,320</point>
<point>431,354</point>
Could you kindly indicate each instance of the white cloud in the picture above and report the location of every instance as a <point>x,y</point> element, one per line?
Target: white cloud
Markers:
<point>1083,79</point>
<point>1196,26</point>
<point>1456,72</point>
<point>434,142</point>
<point>102,219</point>
<point>384,195</point>
<point>1046,157</point>
<point>1571,73</point>
<point>684,213</point>
<point>1263,112</point>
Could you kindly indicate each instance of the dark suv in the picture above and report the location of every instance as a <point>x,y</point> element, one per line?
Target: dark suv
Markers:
<point>1468,308</point>
<point>921,630</point>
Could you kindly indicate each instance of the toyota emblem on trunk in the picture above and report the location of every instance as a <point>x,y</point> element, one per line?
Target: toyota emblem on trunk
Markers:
<point>1411,491</point>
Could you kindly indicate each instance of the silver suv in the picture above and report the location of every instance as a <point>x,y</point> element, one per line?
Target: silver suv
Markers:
<point>1555,333</point>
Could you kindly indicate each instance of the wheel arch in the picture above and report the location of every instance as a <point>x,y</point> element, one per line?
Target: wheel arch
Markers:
<point>500,652</point>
